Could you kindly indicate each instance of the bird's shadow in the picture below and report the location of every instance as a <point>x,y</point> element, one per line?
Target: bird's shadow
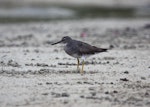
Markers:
<point>76,72</point>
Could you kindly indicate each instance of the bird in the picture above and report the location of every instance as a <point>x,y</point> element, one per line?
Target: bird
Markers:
<point>79,49</point>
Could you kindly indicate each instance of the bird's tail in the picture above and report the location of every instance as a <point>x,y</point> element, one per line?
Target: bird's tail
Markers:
<point>102,50</point>
<point>97,50</point>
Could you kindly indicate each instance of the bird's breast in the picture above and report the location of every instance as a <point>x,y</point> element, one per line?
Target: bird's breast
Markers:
<point>72,52</point>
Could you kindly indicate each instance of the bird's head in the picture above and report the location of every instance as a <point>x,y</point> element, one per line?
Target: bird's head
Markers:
<point>64,39</point>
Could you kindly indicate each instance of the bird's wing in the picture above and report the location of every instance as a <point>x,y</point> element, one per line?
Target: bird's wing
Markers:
<point>85,49</point>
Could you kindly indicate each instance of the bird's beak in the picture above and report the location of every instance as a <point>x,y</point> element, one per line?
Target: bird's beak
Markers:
<point>56,42</point>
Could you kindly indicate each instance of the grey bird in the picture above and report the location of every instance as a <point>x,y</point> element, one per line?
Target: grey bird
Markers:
<point>79,49</point>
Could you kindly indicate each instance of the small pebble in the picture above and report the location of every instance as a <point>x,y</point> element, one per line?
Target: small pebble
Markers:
<point>126,72</point>
<point>143,78</point>
<point>115,91</point>
<point>48,83</point>
<point>44,93</point>
<point>124,79</point>
<point>106,92</point>
<point>65,95</point>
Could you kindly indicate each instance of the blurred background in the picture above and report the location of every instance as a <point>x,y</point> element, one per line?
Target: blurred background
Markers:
<point>47,10</point>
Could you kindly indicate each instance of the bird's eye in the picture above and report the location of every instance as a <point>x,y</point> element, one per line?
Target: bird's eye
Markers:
<point>64,38</point>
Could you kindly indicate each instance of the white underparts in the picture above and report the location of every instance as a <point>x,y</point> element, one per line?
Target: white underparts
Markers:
<point>83,58</point>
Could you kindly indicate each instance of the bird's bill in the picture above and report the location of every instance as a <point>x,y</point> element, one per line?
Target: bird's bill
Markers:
<point>56,42</point>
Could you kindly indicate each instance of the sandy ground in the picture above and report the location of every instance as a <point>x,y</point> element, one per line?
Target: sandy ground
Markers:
<point>124,3</point>
<point>35,74</point>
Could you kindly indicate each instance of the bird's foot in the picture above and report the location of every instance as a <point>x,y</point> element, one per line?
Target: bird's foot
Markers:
<point>78,70</point>
<point>82,73</point>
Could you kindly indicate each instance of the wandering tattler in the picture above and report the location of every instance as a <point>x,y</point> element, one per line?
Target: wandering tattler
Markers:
<point>78,49</point>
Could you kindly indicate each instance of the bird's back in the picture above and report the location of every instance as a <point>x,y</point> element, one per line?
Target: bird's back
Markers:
<point>77,49</point>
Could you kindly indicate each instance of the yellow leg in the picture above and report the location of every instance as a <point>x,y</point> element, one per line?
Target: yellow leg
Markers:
<point>78,63</point>
<point>82,71</point>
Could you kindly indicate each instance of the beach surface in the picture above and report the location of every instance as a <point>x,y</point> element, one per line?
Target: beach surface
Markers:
<point>33,73</point>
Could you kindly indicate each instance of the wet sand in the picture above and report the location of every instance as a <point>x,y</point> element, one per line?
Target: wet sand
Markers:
<point>35,74</point>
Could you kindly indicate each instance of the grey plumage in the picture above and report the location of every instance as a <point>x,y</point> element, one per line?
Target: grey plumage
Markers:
<point>78,49</point>
<point>81,48</point>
